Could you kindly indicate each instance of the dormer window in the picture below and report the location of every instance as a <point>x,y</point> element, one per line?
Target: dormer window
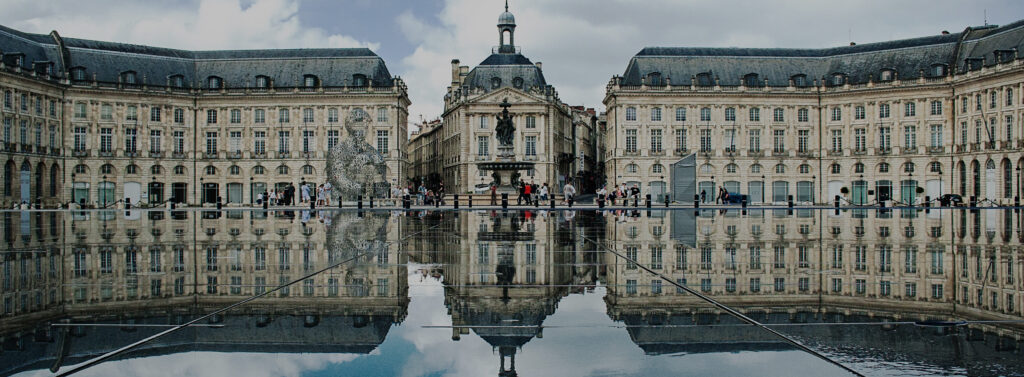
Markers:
<point>495,83</point>
<point>938,70</point>
<point>704,79</point>
<point>128,78</point>
<point>517,82</point>
<point>262,82</point>
<point>214,82</point>
<point>655,78</point>
<point>78,74</point>
<point>751,80</point>
<point>799,80</point>
<point>974,63</point>
<point>310,81</point>
<point>885,75</point>
<point>178,81</point>
<point>838,79</point>
<point>359,81</point>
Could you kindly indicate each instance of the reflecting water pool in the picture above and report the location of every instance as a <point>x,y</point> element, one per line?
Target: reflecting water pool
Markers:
<point>506,293</point>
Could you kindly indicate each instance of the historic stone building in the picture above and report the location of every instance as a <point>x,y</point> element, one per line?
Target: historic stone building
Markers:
<point>466,138</point>
<point>897,120</point>
<point>100,122</point>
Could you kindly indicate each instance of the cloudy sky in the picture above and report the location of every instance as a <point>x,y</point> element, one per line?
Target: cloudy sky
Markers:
<point>581,42</point>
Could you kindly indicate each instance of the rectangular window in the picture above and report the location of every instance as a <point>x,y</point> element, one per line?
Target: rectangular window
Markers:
<point>936,107</point>
<point>236,116</point>
<point>283,116</point>
<point>235,141</point>
<point>382,141</point>
<point>179,116</point>
<point>154,114</point>
<point>681,139</point>
<point>382,114</point>
<point>910,137</point>
<point>755,140</point>
<point>332,139</point>
<point>307,115</point>
<point>531,145</point>
<point>656,114</point>
<point>631,140</point>
<point>211,116</point>
<point>779,141</point>
<point>179,141</point>
<point>260,142</point>
<point>106,139</point>
<point>802,140</point>
<point>909,109</point>
<point>755,114</point>
<point>106,112</point>
<point>154,140</point>
<point>656,257</point>
<point>884,139</point>
<point>332,115</point>
<point>837,114</point>
<point>705,140</point>
<point>131,114</point>
<point>935,140</point>
<point>779,115</point>
<point>730,114</point>
<point>483,122</point>
<point>802,115</point>
<point>730,140</point>
<point>79,136</point>
<point>531,121</point>
<point>860,139</point>
<point>211,143</point>
<point>630,113</point>
<point>308,140</point>
<point>130,139</point>
<point>656,146</point>
<point>837,140</point>
<point>883,110</point>
<point>80,110</point>
<point>482,147</point>
<point>705,114</point>
<point>656,286</point>
<point>283,141</point>
<point>680,114</point>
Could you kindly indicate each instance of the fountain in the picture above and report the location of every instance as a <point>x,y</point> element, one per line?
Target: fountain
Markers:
<point>505,169</point>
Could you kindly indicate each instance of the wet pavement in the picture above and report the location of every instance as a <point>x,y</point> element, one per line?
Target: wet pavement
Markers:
<point>765,292</point>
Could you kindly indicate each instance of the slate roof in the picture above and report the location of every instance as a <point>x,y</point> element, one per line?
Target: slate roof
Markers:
<point>237,68</point>
<point>506,67</point>
<point>908,58</point>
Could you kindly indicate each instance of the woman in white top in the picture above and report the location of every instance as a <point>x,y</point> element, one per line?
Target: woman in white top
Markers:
<point>273,197</point>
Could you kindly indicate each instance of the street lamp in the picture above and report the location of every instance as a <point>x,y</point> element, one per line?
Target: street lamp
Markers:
<point>104,183</point>
<point>1018,181</point>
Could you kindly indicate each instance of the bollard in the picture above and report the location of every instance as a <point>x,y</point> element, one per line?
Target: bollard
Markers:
<point>469,201</point>
<point>881,203</point>
<point>743,203</point>
<point>790,201</point>
<point>504,200</point>
<point>536,202</point>
<point>666,200</point>
<point>552,202</point>
<point>636,201</point>
<point>359,204</point>
<point>647,198</point>
<point>437,201</point>
<point>836,201</point>
<point>371,201</point>
<point>571,199</point>
<point>265,204</point>
<point>600,202</point>
<point>1016,201</point>
<point>218,203</point>
<point>974,201</point>
<point>927,201</point>
<point>696,201</point>
<point>312,204</point>
<point>455,203</point>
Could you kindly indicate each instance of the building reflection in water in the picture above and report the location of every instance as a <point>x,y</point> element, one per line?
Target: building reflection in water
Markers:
<point>504,273</point>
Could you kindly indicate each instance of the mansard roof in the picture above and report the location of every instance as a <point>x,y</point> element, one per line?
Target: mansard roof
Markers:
<point>237,68</point>
<point>907,58</point>
<point>506,68</point>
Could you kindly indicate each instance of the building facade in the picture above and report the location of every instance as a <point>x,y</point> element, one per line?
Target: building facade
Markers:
<point>100,122</point>
<point>892,121</point>
<point>466,139</point>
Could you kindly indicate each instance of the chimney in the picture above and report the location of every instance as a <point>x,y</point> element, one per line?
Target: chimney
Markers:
<point>540,66</point>
<point>853,43</point>
<point>455,72</point>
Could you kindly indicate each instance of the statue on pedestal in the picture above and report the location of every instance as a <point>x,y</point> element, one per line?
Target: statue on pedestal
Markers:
<point>505,128</point>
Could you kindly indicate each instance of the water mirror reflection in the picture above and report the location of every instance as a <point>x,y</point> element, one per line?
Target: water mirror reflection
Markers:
<point>882,292</point>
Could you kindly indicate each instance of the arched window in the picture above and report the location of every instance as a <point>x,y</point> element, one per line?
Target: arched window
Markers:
<point>858,168</point>
<point>310,81</point>
<point>799,80</point>
<point>780,169</point>
<point>177,81</point>
<point>211,170</point>
<point>632,168</point>
<point>214,82</point>
<point>805,169</point>
<point>128,78</point>
<point>704,79</point>
<point>908,167</point>
<point>835,169</point>
<point>705,114</point>
<point>131,169</point>
<point>262,82</point>
<point>155,169</point>
<point>283,169</point>
<point>938,70</point>
<point>107,169</point>
<point>179,170</point>
<point>81,169</point>
<point>730,169</point>
<point>655,78</point>
<point>883,167</point>
<point>752,80</point>
<point>935,167</point>
<point>655,114</point>
<point>707,169</point>
<point>517,82</point>
<point>630,113</point>
<point>885,75</point>
<point>78,74</point>
<point>307,169</point>
<point>234,170</point>
<point>755,168</point>
<point>657,169</point>
<point>838,79</point>
<point>358,80</point>
<point>259,170</point>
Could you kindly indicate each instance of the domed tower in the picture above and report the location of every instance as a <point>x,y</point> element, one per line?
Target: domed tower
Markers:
<point>506,25</point>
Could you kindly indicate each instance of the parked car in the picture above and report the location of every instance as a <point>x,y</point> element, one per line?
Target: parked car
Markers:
<point>951,200</point>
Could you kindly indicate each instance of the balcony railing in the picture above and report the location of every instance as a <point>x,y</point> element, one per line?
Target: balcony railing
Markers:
<point>779,153</point>
<point>260,155</point>
<point>309,154</point>
<point>682,152</point>
<point>209,155</point>
<point>55,151</point>
<point>179,155</point>
<point>755,153</point>
<point>234,155</point>
<point>26,148</point>
<point>835,153</point>
<point>80,153</point>
<point>131,153</point>
<point>285,154</point>
<point>106,153</point>
<point>156,154</point>
<point>936,150</point>
<point>883,151</point>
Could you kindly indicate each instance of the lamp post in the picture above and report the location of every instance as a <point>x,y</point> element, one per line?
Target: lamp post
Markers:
<point>1018,181</point>
<point>104,183</point>
<point>252,192</point>
<point>73,187</point>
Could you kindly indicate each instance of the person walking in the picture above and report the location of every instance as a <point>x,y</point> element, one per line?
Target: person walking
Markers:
<point>544,191</point>
<point>703,196</point>
<point>569,192</point>
<point>528,192</point>
<point>327,193</point>
<point>440,194</point>
<point>494,194</point>
<point>422,195</point>
<point>305,192</point>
